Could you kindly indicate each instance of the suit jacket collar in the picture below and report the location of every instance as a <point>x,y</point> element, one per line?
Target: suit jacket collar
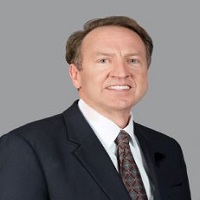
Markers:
<point>92,155</point>
<point>153,156</point>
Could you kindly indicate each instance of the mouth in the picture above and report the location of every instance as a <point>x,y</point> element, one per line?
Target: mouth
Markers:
<point>119,87</point>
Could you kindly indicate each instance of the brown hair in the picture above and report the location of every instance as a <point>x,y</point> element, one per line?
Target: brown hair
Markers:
<point>73,46</point>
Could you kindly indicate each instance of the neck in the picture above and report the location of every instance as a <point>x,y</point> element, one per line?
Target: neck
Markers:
<point>119,118</point>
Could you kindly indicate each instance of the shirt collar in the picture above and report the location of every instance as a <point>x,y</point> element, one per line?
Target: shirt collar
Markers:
<point>105,129</point>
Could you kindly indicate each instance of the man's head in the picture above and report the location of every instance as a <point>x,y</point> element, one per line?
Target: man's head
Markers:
<point>109,63</point>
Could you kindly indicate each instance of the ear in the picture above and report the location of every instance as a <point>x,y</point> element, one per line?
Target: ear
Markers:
<point>75,75</point>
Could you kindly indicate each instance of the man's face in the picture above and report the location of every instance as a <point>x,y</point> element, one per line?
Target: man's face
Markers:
<point>114,70</point>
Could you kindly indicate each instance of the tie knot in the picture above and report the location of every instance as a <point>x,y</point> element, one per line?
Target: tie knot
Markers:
<point>123,137</point>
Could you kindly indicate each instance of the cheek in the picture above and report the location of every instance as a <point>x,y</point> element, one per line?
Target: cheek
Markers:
<point>142,81</point>
<point>141,75</point>
<point>90,81</point>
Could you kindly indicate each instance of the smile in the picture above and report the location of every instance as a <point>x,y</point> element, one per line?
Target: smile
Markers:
<point>119,87</point>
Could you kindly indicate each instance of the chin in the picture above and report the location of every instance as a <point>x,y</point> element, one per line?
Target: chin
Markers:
<point>121,106</point>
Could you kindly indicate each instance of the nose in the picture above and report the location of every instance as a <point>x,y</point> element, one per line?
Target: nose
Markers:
<point>120,70</point>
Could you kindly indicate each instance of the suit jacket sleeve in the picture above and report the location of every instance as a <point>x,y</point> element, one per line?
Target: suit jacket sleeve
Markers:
<point>21,176</point>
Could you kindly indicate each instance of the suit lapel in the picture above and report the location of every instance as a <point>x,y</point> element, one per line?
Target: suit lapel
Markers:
<point>93,156</point>
<point>152,156</point>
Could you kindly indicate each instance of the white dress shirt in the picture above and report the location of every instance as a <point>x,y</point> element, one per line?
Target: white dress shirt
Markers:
<point>107,131</point>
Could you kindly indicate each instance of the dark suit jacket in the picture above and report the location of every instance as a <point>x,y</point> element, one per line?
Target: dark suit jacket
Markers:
<point>60,158</point>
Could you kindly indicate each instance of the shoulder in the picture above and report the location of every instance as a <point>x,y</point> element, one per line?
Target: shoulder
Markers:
<point>36,130</point>
<point>44,132</point>
<point>50,130</point>
<point>35,142</point>
<point>157,138</point>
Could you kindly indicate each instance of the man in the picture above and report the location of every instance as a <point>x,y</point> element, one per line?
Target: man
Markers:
<point>79,154</point>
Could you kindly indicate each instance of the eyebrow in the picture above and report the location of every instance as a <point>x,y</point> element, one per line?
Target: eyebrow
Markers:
<point>111,54</point>
<point>102,54</point>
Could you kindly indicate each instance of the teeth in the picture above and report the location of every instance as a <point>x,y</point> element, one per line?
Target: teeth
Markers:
<point>119,87</point>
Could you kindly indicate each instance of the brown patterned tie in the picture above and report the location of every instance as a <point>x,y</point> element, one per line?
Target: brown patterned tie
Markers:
<point>128,168</point>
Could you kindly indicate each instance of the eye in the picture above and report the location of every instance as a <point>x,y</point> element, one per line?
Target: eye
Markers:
<point>103,60</point>
<point>133,61</point>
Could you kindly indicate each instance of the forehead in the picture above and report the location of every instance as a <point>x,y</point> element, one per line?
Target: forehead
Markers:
<point>112,36</point>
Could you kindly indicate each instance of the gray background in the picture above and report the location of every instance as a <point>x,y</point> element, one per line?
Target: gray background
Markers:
<point>34,81</point>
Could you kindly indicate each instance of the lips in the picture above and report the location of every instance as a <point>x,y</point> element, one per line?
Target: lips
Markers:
<point>118,87</point>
